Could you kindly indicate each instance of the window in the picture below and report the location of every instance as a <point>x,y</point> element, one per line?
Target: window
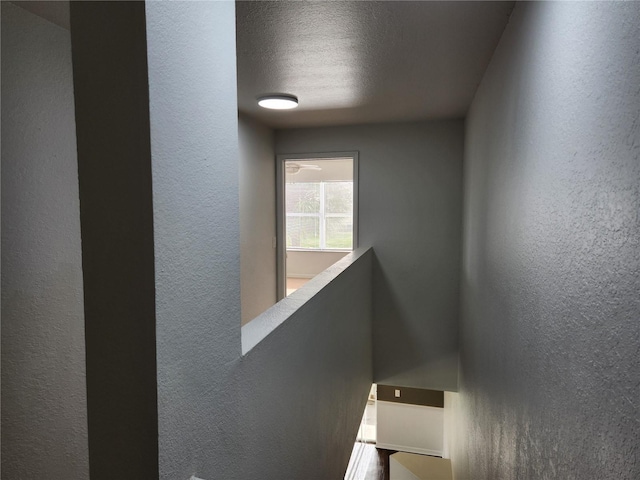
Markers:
<point>316,215</point>
<point>319,215</point>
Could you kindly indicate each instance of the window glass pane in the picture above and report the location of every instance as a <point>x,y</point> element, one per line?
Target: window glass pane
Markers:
<point>303,232</point>
<point>338,197</point>
<point>339,232</point>
<point>303,198</point>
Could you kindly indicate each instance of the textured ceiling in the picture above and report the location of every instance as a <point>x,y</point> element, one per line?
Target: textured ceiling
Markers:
<point>362,62</point>
<point>356,61</point>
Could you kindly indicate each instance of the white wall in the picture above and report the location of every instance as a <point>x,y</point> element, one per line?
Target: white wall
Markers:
<point>451,431</point>
<point>44,403</point>
<point>410,211</point>
<point>307,264</point>
<point>257,218</point>
<point>550,371</point>
<point>410,428</point>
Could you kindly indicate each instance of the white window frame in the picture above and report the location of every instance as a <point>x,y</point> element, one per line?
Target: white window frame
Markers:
<point>281,243</point>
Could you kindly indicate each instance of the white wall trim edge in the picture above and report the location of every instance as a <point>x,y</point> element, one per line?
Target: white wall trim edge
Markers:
<point>403,448</point>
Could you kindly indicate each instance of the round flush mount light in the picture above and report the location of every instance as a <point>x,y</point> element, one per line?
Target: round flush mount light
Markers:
<point>278,102</point>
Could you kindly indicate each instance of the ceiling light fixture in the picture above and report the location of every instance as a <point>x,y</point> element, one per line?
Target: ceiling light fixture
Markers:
<point>278,102</point>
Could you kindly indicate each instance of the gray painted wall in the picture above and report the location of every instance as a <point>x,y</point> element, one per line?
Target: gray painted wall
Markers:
<point>257,218</point>
<point>550,370</point>
<point>411,213</point>
<point>194,144</point>
<point>114,167</point>
<point>214,407</point>
<point>303,389</point>
<point>221,415</point>
<point>44,410</point>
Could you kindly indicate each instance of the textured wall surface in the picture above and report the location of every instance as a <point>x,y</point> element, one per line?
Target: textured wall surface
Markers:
<point>257,218</point>
<point>114,167</point>
<point>303,389</point>
<point>44,411</point>
<point>410,180</point>
<point>550,356</point>
<point>194,142</point>
<point>298,394</point>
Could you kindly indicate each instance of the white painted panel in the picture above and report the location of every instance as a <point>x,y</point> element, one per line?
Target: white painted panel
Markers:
<point>410,428</point>
<point>420,467</point>
<point>451,406</point>
<point>397,471</point>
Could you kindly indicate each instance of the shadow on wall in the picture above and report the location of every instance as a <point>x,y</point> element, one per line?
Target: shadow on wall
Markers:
<point>396,329</point>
